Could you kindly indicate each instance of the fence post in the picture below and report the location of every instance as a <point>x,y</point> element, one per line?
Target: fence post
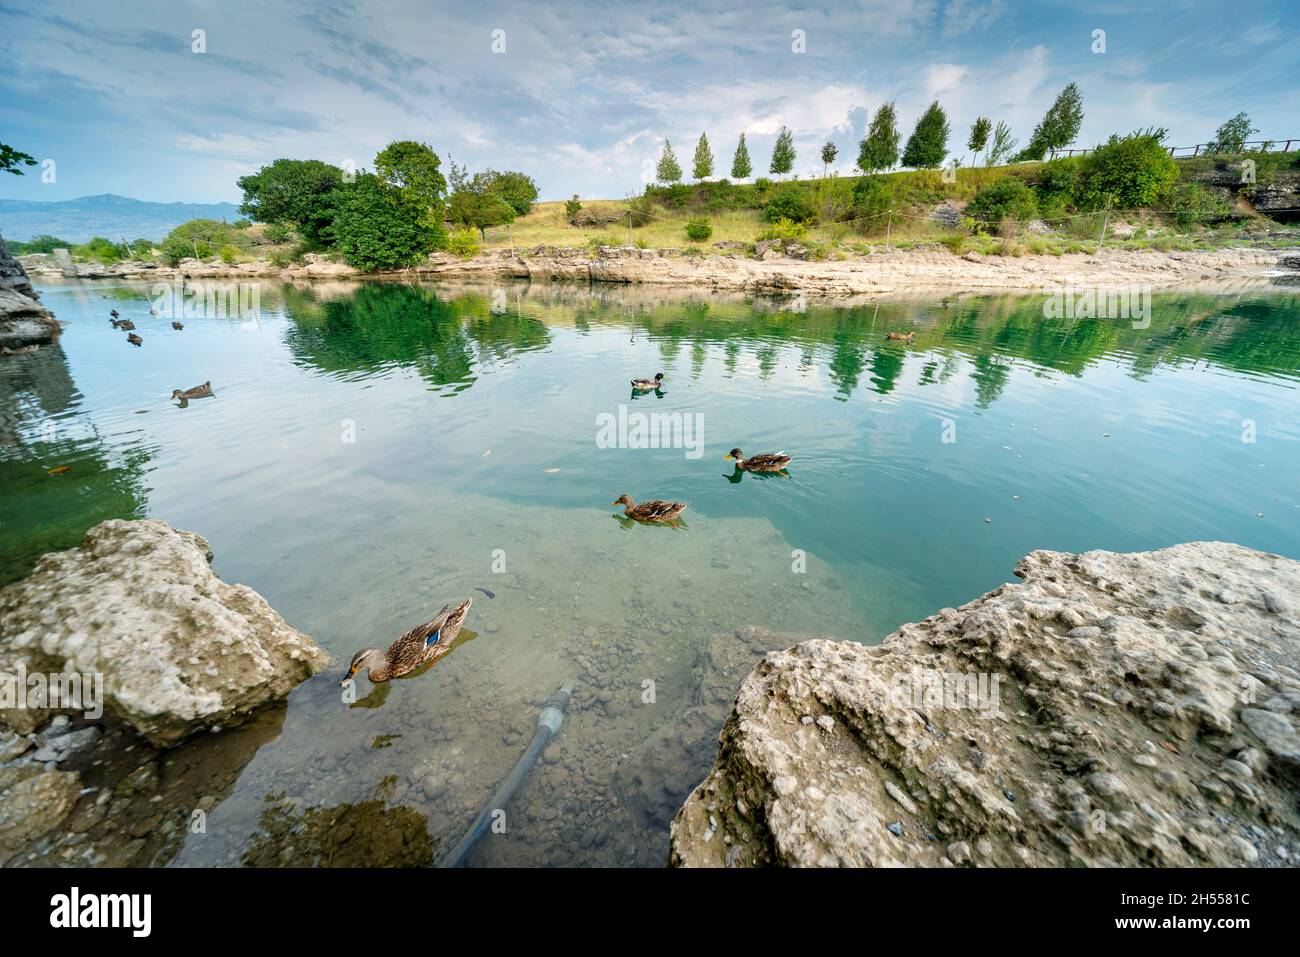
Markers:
<point>889,225</point>
<point>629,227</point>
<point>1105,219</point>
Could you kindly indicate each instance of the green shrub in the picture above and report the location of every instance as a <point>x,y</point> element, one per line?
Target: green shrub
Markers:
<point>101,250</point>
<point>792,203</point>
<point>1055,184</point>
<point>572,207</point>
<point>784,229</point>
<point>698,229</point>
<point>463,243</point>
<point>1133,171</point>
<point>872,199</point>
<point>228,254</point>
<point>676,195</point>
<point>278,233</point>
<point>1006,199</point>
<point>642,210</point>
<point>1192,204</point>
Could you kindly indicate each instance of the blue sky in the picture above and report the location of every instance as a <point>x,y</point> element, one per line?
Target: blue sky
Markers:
<point>585,92</point>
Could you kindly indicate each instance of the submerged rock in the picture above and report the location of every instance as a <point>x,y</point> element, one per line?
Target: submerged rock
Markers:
<point>1108,710</point>
<point>137,603</point>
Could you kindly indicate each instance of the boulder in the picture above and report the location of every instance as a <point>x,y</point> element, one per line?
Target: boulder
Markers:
<point>1111,709</point>
<point>178,650</point>
<point>23,320</point>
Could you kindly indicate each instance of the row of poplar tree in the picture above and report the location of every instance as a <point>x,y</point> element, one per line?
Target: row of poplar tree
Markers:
<point>926,148</point>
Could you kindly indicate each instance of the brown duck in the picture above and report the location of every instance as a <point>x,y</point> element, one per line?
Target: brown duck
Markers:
<point>126,324</point>
<point>655,510</point>
<point>769,462</point>
<point>901,336</point>
<point>419,646</point>
<point>178,325</point>
<point>134,339</point>
<point>198,392</point>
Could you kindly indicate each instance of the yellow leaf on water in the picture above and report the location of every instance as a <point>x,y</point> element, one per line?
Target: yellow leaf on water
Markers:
<point>59,469</point>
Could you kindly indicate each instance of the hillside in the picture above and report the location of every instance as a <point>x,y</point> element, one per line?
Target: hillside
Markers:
<point>108,215</point>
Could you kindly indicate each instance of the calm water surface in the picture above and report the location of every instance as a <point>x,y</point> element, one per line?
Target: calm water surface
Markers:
<point>376,451</point>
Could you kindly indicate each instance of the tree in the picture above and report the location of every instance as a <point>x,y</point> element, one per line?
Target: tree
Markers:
<point>518,190</point>
<point>702,168</point>
<point>478,203</point>
<point>1128,171</point>
<point>668,170</point>
<point>412,169</point>
<point>829,152</point>
<point>374,229</point>
<point>979,136</point>
<point>878,151</point>
<point>740,168</point>
<point>572,207</point>
<point>297,193</point>
<point>1232,135</point>
<point>11,159</point>
<point>1059,126</point>
<point>928,144</point>
<point>783,153</point>
<point>1003,144</point>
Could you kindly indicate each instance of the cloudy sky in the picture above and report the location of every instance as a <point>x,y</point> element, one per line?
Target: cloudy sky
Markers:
<point>585,92</point>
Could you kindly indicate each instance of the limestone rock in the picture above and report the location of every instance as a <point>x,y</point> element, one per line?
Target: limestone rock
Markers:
<point>1123,718</point>
<point>178,649</point>
<point>33,803</point>
<point>23,320</point>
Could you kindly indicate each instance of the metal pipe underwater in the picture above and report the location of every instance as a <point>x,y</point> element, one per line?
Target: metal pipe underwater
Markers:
<point>548,725</point>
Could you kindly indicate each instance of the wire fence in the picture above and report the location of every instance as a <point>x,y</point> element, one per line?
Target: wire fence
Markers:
<point>1210,149</point>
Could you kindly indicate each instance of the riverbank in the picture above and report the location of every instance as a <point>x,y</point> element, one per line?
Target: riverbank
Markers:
<point>881,272</point>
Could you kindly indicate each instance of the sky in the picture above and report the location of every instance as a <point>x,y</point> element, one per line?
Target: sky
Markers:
<point>581,95</point>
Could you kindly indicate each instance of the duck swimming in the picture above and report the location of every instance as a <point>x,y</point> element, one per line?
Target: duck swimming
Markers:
<point>901,336</point>
<point>198,392</point>
<point>419,646</point>
<point>770,462</point>
<point>654,510</point>
<point>134,339</point>
<point>646,385</point>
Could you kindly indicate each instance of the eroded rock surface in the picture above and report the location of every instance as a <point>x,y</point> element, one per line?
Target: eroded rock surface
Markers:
<point>138,603</point>
<point>1146,715</point>
<point>23,320</point>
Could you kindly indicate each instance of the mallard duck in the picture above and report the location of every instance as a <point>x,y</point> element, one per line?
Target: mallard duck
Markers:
<point>113,313</point>
<point>134,339</point>
<point>655,510</point>
<point>419,646</point>
<point>903,336</point>
<point>126,324</point>
<point>768,462</point>
<point>645,385</point>
<point>198,392</point>
<point>178,325</point>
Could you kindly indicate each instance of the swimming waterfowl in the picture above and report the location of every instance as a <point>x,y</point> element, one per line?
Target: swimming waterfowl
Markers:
<point>113,313</point>
<point>198,392</point>
<point>134,339</point>
<point>645,385</point>
<point>419,646</point>
<point>126,324</point>
<point>768,462</point>
<point>655,510</point>
<point>904,336</point>
<point>178,325</point>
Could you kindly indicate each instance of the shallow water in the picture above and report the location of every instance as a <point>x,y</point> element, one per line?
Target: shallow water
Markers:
<point>374,452</point>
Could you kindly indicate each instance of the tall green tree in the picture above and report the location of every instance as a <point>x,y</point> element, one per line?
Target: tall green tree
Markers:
<point>1059,126</point>
<point>783,153</point>
<point>668,170</point>
<point>1231,136</point>
<point>878,150</point>
<point>374,227</point>
<point>1003,144</point>
<point>413,170</point>
<point>829,152</point>
<point>979,136</point>
<point>477,202</point>
<point>517,189</point>
<point>740,167</point>
<point>297,193</point>
<point>702,168</point>
<point>928,144</point>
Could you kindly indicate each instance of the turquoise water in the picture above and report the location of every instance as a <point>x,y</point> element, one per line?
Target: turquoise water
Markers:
<point>374,452</point>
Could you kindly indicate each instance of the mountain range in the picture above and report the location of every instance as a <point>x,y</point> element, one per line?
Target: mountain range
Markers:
<point>107,214</point>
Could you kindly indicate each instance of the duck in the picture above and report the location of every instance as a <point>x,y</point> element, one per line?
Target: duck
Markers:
<point>768,462</point>
<point>177,325</point>
<point>113,313</point>
<point>134,339</point>
<point>654,510</point>
<point>902,336</point>
<point>645,385</point>
<point>126,324</point>
<point>198,392</point>
<point>418,647</point>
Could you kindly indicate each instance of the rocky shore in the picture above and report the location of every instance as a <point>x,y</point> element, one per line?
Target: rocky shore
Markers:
<point>111,654</point>
<point>779,268</point>
<point>24,322</point>
<point>1109,710</point>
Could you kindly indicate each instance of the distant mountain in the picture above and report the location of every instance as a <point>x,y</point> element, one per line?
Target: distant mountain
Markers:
<point>108,215</point>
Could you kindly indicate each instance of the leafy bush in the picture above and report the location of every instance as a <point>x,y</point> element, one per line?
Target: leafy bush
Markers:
<point>39,244</point>
<point>872,199</point>
<point>1134,171</point>
<point>298,193</point>
<point>463,243</point>
<point>675,195</point>
<point>698,229</point>
<point>1055,184</point>
<point>784,229</point>
<point>374,229</point>
<point>1006,199</point>
<point>1192,204</point>
<point>101,250</point>
<point>792,203</point>
<point>278,233</point>
<point>572,207</point>
<point>228,254</point>
<point>642,210</point>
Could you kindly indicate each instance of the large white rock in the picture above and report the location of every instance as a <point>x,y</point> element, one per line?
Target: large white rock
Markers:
<point>179,649</point>
<point>1146,716</point>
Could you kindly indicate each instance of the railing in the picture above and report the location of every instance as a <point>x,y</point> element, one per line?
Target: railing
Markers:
<point>1201,149</point>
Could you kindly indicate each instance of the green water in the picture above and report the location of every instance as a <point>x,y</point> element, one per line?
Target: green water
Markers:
<point>374,452</point>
